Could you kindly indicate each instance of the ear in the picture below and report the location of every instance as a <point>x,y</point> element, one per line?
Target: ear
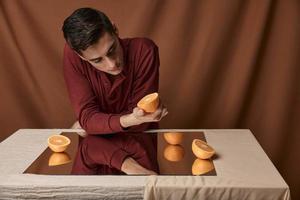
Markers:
<point>116,31</point>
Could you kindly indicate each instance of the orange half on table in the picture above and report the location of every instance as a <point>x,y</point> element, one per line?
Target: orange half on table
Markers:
<point>58,143</point>
<point>149,103</point>
<point>202,150</point>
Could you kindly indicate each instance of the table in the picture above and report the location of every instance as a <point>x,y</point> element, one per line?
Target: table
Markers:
<point>172,159</point>
<point>243,172</point>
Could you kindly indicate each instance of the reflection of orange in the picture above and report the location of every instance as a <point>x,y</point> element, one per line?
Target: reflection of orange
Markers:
<point>58,143</point>
<point>59,159</point>
<point>202,166</point>
<point>173,138</point>
<point>149,103</point>
<point>202,150</point>
<point>174,153</point>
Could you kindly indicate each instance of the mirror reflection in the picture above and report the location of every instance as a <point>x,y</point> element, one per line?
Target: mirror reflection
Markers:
<point>137,153</point>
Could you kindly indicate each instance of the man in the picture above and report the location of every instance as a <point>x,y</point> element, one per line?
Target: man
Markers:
<point>106,76</point>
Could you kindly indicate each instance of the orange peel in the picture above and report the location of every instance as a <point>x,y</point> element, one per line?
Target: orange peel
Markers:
<point>149,103</point>
<point>174,153</point>
<point>58,143</point>
<point>201,149</point>
<point>59,159</point>
<point>201,166</point>
<point>173,137</point>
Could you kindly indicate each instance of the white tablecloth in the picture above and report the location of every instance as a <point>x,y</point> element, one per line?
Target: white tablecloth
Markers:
<point>243,172</point>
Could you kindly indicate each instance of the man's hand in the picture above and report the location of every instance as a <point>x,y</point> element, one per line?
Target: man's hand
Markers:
<point>139,116</point>
<point>130,166</point>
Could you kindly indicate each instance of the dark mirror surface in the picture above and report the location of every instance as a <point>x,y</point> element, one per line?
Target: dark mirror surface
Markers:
<point>172,159</point>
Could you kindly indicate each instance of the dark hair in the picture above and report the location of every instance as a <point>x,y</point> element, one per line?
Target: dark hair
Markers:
<point>84,27</point>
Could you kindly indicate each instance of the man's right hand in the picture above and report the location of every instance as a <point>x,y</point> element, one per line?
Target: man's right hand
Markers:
<point>131,167</point>
<point>139,116</point>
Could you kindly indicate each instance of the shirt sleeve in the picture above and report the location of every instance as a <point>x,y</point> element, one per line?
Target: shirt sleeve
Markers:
<point>146,80</point>
<point>84,101</point>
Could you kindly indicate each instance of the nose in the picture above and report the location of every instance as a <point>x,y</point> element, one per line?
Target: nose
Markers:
<point>111,64</point>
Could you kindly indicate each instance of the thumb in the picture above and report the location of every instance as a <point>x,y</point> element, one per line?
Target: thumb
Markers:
<point>138,112</point>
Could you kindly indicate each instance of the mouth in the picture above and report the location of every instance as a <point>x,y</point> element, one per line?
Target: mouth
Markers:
<point>117,68</point>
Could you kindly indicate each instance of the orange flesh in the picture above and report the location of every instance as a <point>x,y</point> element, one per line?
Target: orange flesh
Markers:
<point>58,140</point>
<point>147,99</point>
<point>203,146</point>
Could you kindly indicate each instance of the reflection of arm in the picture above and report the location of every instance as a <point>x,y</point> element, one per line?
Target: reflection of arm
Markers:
<point>146,79</point>
<point>84,101</point>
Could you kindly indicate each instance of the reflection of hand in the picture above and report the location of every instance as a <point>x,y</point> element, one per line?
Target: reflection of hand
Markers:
<point>130,166</point>
<point>76,125</point>
<point>139,116</point>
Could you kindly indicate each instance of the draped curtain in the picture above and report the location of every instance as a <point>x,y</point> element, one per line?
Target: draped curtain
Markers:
<point>224,64</point>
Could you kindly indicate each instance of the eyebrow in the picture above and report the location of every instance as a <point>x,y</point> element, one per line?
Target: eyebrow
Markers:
<point>112,45</point>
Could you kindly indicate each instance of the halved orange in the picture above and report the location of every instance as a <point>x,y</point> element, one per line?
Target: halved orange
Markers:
<point>173,137</point>
<point>58,143</point>
<point>59,159</point>
<point>202,166</point>
<point>174,153</point>
<point>202,150</point>
<point>149,103</point>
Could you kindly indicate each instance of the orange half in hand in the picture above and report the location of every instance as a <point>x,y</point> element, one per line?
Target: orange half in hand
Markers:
<point>149,103</point>
<point>59,159</point>
<point>202,166</point>
<point>58,143</point>
<point>202,150</point>
<point>173,137</point>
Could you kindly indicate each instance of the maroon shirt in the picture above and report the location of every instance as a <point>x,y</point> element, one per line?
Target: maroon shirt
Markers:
<point>100,99</point>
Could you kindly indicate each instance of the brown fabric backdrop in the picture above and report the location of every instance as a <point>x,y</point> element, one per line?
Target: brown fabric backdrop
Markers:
<point>224,64</point>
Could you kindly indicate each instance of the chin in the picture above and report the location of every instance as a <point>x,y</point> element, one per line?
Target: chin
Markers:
<point>115,72</point>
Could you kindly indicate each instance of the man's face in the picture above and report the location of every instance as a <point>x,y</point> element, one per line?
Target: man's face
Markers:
<point>106,55</point>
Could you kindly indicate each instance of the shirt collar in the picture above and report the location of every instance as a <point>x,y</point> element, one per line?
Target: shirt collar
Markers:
<point>124,45</point>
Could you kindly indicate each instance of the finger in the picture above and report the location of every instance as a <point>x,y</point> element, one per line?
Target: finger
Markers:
<point>164,110</point>
<point>157,111</point>
<point>135,110</point>
<point>158,117</point>
<point>164,113</point>
<point>157,114</point>
<point>141,112</point>
<point>138,112</point>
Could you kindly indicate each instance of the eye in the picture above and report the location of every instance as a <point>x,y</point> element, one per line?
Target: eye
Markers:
<point>112,51</point>
<point>98,60</point>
